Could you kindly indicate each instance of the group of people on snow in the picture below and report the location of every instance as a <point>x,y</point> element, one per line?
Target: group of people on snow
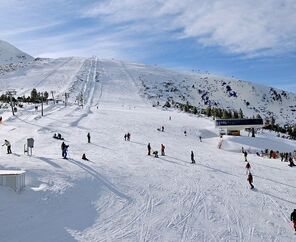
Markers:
<point>155,152</point>
<point>127,137</point>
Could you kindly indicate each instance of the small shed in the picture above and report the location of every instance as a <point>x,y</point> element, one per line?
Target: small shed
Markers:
<point>14,179</point>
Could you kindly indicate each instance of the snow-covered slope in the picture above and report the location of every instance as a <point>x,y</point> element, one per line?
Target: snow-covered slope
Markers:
<point>121,193</point>
<point>10,54</point>
<point>159,84</point>
<point>204,90</point>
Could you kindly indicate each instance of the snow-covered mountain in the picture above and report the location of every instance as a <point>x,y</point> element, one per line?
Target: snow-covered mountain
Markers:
<point>154,83</point>
<point>10,54</point>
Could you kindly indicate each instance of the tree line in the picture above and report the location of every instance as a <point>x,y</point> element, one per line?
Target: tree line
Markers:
<point>35,97</point>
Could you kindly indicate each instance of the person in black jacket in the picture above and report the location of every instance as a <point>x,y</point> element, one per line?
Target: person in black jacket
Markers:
<point>250,180</point>
<point>149,149</point>
<point>88,137</point>
<point>192,158</point>
<point>291,161</point>
<point>293,218</point>
<point>245,155</point>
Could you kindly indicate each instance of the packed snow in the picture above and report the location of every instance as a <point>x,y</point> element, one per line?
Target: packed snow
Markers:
<point>121,193</point>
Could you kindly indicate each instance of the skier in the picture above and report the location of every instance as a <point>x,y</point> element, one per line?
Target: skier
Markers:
<point>88,137</point>
<point>185,133</point>
<point>64,148</point>
<point>291,161</point>
<point>170,118</point>
<point>125,136</point>
<point>192,158</point>
<point>245,155</point>
<point>162,129</point>
<point>200,139</point>
<point>270,154</point>
<point>7,143</point>
<point>84,157</point>
<point>128,136</point>
<point>250,180</point>
<point>293,218</point>
<point>149,149</point>
<point>162,147</point>
<point>248,167</point>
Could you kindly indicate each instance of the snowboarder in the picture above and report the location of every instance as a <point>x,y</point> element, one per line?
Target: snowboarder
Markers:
<point>162,129</point>
<point>192,158</point>
<point>293,218</point>
<point>7,143</point>
<point>250,180</point>
<point>88,137</point>
<point>149,149</point>
<point>200,139</point>
<point>162,147</point>
<point>128,136</point>
<point>245,155</point>
<point>84,157</point>
<point>155,153</point>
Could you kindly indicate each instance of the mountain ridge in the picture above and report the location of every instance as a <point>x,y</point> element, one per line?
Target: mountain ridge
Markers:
<point>158,84</point>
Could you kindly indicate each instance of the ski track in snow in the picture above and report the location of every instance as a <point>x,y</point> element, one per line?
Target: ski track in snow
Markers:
<point>124,195</point>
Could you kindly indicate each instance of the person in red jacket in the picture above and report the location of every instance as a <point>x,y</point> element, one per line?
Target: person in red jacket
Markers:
<point>250,180</point>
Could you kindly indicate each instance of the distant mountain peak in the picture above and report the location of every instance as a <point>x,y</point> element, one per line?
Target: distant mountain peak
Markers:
<point>10,54</point>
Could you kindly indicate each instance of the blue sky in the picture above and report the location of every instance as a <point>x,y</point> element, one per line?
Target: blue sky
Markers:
<point>252,40</point>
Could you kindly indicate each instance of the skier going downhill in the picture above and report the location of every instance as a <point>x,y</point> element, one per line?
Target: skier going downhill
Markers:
<point>250,180</point>
<point>248,167</point>
<point>245,155</point>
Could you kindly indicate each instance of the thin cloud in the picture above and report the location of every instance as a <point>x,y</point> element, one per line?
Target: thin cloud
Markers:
<point>251,28</point>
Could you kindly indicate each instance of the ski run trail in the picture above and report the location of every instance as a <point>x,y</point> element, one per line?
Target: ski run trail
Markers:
<point>121,193</point>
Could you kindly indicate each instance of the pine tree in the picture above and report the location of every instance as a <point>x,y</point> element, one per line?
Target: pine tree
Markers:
<point>209,111</point>
<point>194,110</point>
<point>34,95</point>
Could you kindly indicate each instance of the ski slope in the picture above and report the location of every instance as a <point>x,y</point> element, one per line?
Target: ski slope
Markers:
<point>121,193</point>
